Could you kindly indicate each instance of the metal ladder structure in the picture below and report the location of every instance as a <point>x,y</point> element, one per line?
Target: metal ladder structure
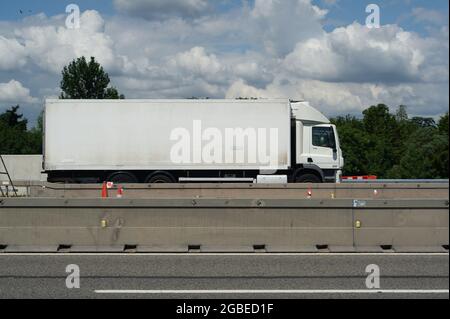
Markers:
<point>5,193</point>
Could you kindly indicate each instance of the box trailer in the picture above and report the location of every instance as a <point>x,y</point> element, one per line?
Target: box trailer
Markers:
<point>163,141</point>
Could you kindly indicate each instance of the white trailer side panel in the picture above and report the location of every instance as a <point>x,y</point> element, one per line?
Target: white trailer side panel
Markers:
<point>136,134</point>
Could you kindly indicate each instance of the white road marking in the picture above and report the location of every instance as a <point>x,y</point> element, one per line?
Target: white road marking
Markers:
<point>314,291</point>
<point>317,254</point>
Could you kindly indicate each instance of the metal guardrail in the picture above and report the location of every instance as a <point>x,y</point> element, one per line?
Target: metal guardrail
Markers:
<point>223,225</point>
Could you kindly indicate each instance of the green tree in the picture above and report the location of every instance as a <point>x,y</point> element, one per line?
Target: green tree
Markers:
<point>12,118</point>
<point>406,127</point>
<point>36,135</point>
<point>86,80</point>
<point>354,143</point>
<point>443,124</point>
<point>394,146</point>
<point>425,156</point>
<point>14,136</point>
<point>384,147</point>
<point>402,114</point>
<point>444,154</point>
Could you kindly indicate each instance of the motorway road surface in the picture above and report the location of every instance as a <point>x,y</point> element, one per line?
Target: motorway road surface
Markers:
<point>224,275</point>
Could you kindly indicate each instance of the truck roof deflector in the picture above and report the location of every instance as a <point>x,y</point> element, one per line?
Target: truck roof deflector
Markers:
<point>302,111</point>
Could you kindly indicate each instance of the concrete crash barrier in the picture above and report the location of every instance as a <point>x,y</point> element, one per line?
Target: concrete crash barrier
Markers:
<point>22,168</point>
<point>420,225</point>
<point>222,225</point>
<point>245,191</point>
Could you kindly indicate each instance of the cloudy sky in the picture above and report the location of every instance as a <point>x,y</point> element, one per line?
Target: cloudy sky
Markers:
<point>317,50</point>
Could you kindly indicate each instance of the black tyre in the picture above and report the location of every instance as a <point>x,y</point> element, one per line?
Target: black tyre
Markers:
<point>160,179</point>
<point>122,178</point>
<point>308,178</point>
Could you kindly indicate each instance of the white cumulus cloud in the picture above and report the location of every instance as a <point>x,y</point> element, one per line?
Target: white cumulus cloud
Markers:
<point>279,25</point>
<point>50,45</point>
<point>12,54</point>
<point>14,92</point>
<point>197,61</point>
<point>359,54</point>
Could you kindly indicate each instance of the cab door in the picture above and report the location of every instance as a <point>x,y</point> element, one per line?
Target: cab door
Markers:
<point>325,151</point>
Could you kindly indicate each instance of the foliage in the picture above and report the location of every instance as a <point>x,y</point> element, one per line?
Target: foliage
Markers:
<point>354,143</point>
<point>394,146</point>
<point>443,124</point>
<point>86,80</point>
<point>14,136</point>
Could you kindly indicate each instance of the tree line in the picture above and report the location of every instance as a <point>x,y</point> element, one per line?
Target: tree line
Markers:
<point>394,145</point>
<point>15,138</point>
<point>379,143</point>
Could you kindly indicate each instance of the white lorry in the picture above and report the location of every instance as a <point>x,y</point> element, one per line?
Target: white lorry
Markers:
<point>169,141</point>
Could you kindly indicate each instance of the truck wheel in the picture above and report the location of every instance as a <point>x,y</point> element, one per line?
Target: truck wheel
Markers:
<point>307,178</point>
<point>160,179</point>
<point>122,178</point>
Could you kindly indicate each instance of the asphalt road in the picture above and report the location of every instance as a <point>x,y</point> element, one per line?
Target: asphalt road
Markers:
<point>224,276</point>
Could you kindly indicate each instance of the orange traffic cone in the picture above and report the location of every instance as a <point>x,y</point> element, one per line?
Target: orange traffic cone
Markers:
<point>104,190</point>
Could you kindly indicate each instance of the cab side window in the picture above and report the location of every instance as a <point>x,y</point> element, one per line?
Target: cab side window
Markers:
<point>323,137</point>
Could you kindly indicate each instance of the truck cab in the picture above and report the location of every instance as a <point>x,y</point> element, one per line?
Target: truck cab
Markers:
<point>317,149</point>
